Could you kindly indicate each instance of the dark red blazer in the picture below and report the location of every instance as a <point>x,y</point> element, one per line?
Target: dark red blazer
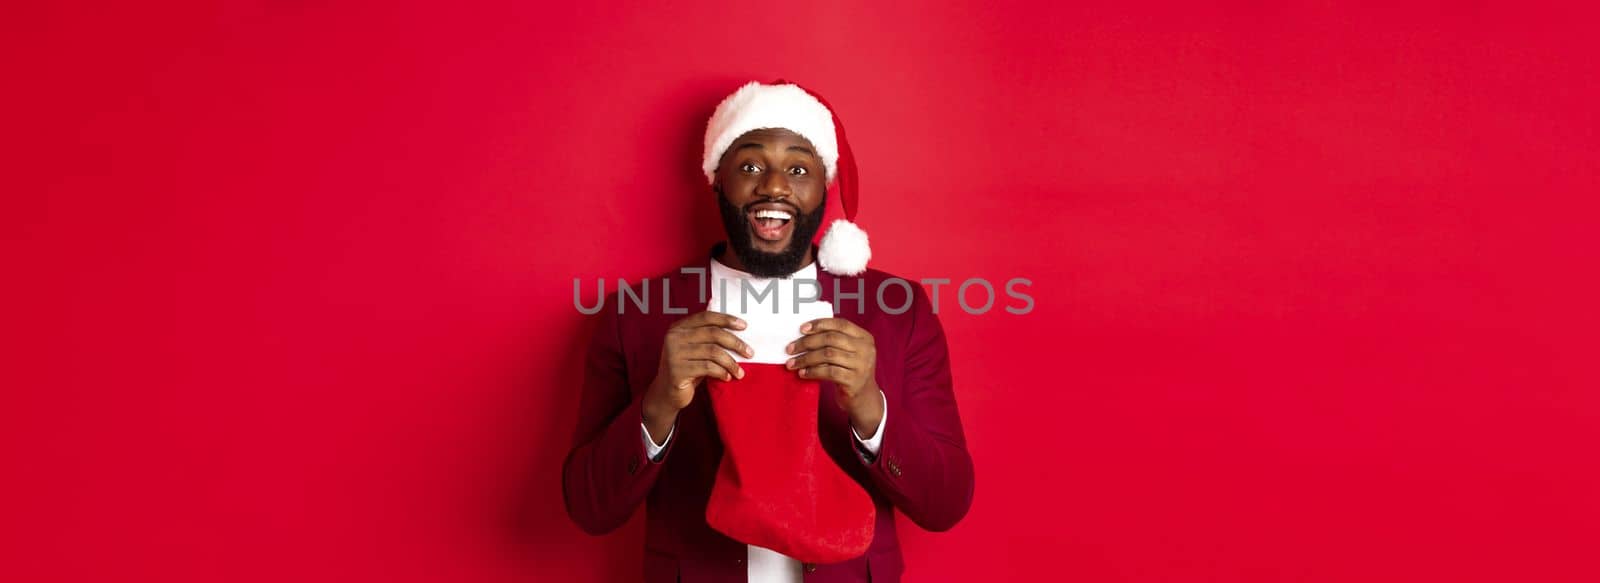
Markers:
<point>922,467</point>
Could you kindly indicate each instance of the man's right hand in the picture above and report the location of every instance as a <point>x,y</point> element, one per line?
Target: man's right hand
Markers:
<point>696,347</point>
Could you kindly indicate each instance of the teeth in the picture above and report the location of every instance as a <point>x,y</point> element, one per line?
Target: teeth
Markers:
<point>773,214</point>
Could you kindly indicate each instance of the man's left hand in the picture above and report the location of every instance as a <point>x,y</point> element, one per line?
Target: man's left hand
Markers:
<point>837,350</point>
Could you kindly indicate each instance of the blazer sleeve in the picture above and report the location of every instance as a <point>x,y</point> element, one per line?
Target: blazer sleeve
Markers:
<point>607,475</point>
<point>923,465</point>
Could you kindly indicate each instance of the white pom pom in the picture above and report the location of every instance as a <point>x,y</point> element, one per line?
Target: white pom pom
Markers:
<point>844,249</point>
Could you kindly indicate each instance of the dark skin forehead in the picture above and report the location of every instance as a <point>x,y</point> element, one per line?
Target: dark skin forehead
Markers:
<point>775,139</point>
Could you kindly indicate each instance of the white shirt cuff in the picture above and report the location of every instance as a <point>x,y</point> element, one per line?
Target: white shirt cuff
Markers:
<point>872,445</point>
<point>651,450</point>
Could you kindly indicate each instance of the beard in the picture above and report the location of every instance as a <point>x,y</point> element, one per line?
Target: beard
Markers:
<point>761,263</point>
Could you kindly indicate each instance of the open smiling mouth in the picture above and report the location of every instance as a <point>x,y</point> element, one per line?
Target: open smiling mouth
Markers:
<point>771,224</point>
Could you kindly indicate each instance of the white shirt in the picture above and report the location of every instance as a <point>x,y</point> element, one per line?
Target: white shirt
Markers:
<point>767,334</point>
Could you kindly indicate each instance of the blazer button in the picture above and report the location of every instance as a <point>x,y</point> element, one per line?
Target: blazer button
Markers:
<point>811,567</point>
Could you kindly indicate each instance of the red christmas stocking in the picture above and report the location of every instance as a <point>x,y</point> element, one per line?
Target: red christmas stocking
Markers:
<point>777,488</point>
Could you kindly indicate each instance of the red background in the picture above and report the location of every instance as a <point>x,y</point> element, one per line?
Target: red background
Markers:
<point>291,283</point>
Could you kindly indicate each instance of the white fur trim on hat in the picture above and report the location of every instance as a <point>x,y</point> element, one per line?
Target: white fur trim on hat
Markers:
<point>844,249</point>
<point>756,106</point>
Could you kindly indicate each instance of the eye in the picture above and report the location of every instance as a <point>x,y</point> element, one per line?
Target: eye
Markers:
<point>749,168</point>
<point>799,171</point>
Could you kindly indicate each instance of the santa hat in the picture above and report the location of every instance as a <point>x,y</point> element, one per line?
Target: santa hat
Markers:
<point>782,105</point>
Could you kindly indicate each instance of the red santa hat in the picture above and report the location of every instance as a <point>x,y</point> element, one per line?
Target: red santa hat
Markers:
<point>782,105</point>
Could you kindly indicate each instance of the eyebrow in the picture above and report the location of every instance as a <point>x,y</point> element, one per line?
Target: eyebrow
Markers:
<point>758,146</point>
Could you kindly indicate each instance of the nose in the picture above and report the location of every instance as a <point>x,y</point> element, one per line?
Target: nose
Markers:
<point>774,185</point>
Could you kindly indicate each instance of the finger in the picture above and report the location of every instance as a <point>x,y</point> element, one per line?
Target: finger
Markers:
<point>827,372</point>
<point>723,338</point>
<point>820,340</point>
<point>701,368</point>
<point>840,325</point>
<point>827,356</point>
<point>716,354</point>
<point>709,318</point>
<point>690,372</point>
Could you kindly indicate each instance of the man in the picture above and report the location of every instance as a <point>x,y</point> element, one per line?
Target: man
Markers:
<point>885,415</point>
